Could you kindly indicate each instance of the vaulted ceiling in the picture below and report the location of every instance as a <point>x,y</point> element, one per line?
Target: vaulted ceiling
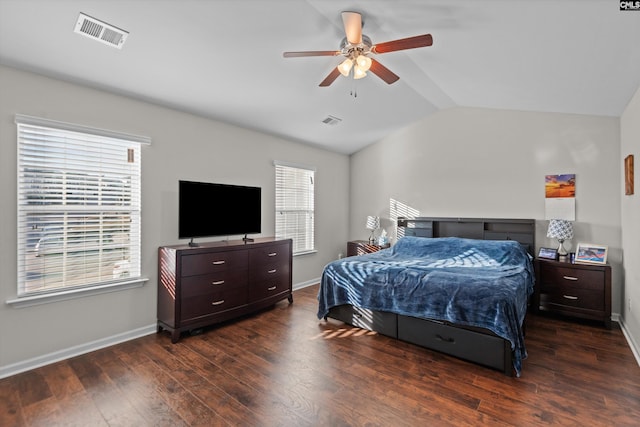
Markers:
<point>223,59</point>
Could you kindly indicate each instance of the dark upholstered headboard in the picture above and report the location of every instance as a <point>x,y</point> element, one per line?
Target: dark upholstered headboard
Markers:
<point>521,230</point>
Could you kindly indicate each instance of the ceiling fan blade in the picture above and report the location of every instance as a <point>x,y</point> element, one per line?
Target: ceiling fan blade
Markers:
<point>402,44</point>
<point>352,26</point>
<point>333,75</point>
<point>383,72</point>
<point>311,53</point>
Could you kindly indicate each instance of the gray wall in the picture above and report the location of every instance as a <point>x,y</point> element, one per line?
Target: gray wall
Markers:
<point>630,135</point>
<point>184,147</point>
<point>467,162</point>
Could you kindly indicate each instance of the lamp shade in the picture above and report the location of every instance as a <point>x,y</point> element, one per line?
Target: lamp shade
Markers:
<point>560,229</point>
<point>373,223</point>
<point>345,67</point>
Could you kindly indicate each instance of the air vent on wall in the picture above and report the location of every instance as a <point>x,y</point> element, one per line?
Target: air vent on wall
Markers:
<point>100,31</point>
<point>331,120</point>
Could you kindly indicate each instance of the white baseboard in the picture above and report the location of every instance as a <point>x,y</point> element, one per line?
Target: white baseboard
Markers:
<point>36,362</point>
<point>635,349</point>
<point>305,284</point>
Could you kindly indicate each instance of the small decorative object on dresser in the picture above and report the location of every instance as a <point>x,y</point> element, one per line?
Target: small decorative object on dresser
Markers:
<point>577,290</point>
<point>591,254</point>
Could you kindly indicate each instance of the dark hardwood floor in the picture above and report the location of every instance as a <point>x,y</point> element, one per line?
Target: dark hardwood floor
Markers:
<point>283,367</point>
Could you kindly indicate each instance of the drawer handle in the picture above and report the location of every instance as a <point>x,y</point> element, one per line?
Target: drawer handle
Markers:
<point>569,278</point>
<point>218,262</point>
<point>273,288</point>
<point>441,338</point>
<point>273,254</point>
<point>218,302</point>
<point>218,282</point>
<point>272,271</point>
<point>570,297</point>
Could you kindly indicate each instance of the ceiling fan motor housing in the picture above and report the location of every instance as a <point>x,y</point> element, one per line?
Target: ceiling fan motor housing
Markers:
<point>353,50</point>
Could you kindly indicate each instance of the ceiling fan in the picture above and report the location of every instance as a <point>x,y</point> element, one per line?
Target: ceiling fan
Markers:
<point>357,48</point>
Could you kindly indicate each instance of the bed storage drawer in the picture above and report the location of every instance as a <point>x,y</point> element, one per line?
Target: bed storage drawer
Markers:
<point>485,349</point>
<point>379,321</point>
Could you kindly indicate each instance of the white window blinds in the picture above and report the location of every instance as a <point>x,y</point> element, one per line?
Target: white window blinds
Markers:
<point>78,206</point>
<point>295,206</point>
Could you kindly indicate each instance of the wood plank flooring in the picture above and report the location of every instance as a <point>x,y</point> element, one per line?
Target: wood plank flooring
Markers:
<point>283,367</point>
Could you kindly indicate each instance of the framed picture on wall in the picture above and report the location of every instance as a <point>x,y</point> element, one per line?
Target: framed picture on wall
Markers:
<point>588,253</point>
<point>628,175</point>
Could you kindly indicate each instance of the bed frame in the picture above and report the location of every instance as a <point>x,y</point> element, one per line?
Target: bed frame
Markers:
<point>477,345</point>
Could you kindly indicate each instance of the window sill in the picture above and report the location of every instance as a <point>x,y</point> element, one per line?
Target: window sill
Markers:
<point>312,251</point>
<point>63,295</point>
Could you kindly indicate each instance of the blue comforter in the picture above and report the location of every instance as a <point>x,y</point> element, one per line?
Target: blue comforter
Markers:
<point>481,283</point>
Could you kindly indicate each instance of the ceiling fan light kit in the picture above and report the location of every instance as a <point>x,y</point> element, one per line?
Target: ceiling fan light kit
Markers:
<point>356,48</point>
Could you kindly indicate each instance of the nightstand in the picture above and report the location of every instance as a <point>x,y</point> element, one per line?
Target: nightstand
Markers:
<point>578,290</point>
<point>361,247</point>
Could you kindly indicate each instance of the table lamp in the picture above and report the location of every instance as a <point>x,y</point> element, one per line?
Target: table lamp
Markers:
<point>373,223</point>
<point>562,230</point>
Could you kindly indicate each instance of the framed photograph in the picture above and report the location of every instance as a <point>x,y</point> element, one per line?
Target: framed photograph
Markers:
<point>548,253</point>
<point>628,175</point>
<point>588,253</point>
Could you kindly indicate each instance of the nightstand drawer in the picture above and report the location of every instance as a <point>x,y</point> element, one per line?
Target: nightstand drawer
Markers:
<point>572,296</point>
<point>362,247</point>
<point>574,277</point>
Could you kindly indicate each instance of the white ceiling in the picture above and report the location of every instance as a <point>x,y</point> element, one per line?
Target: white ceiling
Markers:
<point>223,59</point>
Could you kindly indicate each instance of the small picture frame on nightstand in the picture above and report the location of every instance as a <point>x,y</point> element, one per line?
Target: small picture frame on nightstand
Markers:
<point>588,253</point>
<point>548,253</point>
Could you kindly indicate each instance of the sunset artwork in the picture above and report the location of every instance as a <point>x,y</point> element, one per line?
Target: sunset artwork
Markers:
<point>560,185</point>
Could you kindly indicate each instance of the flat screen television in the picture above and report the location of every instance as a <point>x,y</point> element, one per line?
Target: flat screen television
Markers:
<point>208,209</point>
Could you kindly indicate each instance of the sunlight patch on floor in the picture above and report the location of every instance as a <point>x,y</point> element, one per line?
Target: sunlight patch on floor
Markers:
<point>343,333</point>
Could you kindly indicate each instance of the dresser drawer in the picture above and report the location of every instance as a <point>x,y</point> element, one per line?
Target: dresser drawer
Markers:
<point>213,303</point>
<point>220,281</point>
<point>575,277</point>
<point>266,288</point>
<point>268,272</point>
<point>193,265</point>
<point>573,296</point>
<point>269,255</point>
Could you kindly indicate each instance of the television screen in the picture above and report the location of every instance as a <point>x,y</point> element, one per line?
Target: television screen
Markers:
<point>208,209</point>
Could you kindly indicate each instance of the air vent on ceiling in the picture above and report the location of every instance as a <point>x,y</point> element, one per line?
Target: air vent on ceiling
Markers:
<point>331,120</point>
<point>100,31</point>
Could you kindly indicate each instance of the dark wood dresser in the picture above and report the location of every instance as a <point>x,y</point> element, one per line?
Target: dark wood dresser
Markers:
<point>217,281</point>
<point>578,290</point>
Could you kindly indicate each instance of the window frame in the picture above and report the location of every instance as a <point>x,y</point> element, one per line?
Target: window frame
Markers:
<point>303,207</point>
<point>98,204</point>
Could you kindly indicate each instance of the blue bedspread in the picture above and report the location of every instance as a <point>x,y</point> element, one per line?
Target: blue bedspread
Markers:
<point>480,283</point>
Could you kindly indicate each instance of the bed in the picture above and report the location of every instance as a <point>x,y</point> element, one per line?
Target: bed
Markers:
<point>460,286</point>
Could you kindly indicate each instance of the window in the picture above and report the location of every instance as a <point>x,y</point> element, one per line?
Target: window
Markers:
<point>295,206</point>
<point>78,207</point>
